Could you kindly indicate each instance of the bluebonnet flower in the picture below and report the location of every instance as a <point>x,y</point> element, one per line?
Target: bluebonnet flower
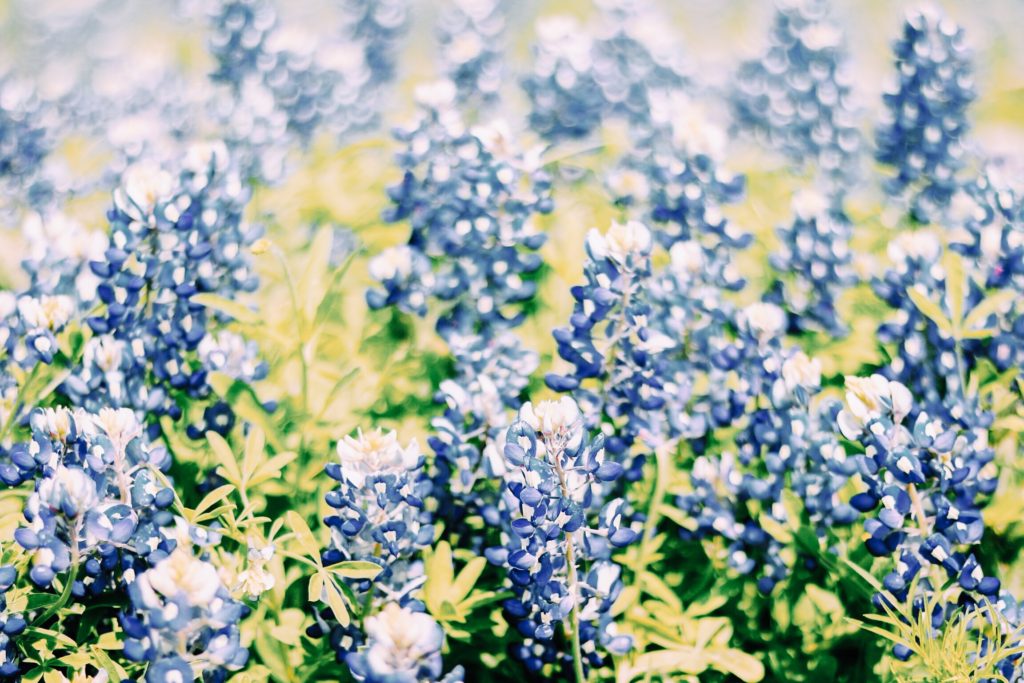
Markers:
<point>814,263</point>
<point>987,217</point>
<point>170,238</point>
<point>24,141</point>
<point>635,60</point>
<point>97,493</point>
<point>674,176</point>
<point>618,371</point>
<point>553,494</point>
<point>59,250</point>
<point>281,82</point>
<point>377,25</point>
<point>924,358</point>
<point>183,622</point>
<point>783,443</point>
<point>379,513</point>
<point>797,95</point>
<point>583,76</point>
<point>238,36</point>
<point>922,133</point>
<point>923,483</point>
<point>490,375</point>
<point>469,197</point>
<point>690,306</point>
<point>401,645</point>
<point>566,101</point>
<point>11,626</point>
<point>471,34</point>
<point>31,325</point>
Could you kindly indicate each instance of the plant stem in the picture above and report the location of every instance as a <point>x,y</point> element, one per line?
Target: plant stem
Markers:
<point>577,650</point>
<point>300,326</point>
<point>573,586</point>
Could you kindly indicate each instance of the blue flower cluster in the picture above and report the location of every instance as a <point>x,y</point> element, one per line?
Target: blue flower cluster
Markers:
<point>797,96</point>
<point>377,26</point>
<point>99,501</point>
<point>280,82</point>
<point>470,198</point>
<point>491,374</point>
<point>471,33</point>
<point>815,263</point>
<point>579,81</point>
<point>922,133</point>
<point>618,371</point>
<point>401,645</point>
<point>784,444</point>
<point>183,621</point>
<point>12,625</point>
<point>171,237</point>
<point>379,513</point>
<point>924,483</point>
<point>673,175</point>
<point>24,141</point>
<point>556,521</point>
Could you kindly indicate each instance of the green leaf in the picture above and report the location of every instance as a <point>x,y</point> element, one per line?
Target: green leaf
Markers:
<point>337,603</point>
<point>253,454</point>
<point>312,283</point>
<point>745,667</point>
<point>824,600</point>
<point>440,570</point>
<point>355,569</point>
<point>225,457</point>
<point>956,286</point>
<point>210,500</point>
<point>775,529</point>
<point>993,303</point>
<point>239,312</point>
<point>303,536</point>
<point>930,310</point>
<point>271,469</point>
<point>467,579</point>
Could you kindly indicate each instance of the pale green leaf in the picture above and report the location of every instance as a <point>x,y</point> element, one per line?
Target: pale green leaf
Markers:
<point>745,667</point>
<point>225,457</point>
<point>239,312</point>
<point>303,536</point>
<point>930,310</point>
<point>355,569</point>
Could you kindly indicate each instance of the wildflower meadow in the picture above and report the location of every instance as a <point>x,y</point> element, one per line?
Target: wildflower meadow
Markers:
<point>392,341</point>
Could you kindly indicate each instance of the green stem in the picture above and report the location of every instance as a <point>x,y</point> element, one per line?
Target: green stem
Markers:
<point>573,587</point>
<point>577,649</point>
<point>300,327</point>
<point>65,594</point>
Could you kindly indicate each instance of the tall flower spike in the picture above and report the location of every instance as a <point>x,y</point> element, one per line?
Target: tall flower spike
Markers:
<point>923,484</point>
<point>553,522</point>
<point>401,645</point>
<point>814,263</point>
<point>470,197</point>
<point>618,373</point>
<point>379,515</point>
<point>674,177</point>
<point>922,133</point>
<point>183,622</point>
<point>12,625</point>
<point>566,101</point>
<point>97,495</point>
<point>797,95</point>
<point>490,376</point>
<point>171,237</point>
<point>471,34</point>
<point>24,142</point>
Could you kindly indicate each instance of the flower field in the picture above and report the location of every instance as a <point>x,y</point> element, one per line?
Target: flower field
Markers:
<point>498,340</point>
